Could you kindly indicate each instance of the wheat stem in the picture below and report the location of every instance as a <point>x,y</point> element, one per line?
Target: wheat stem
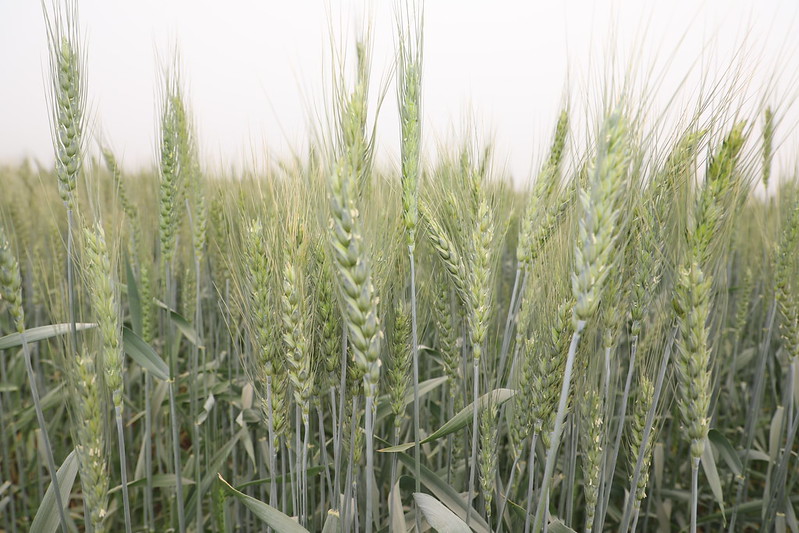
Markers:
<point>123,468</point>
<point>648,427</point>
<point>370,488</point>
<point>415,353</point>
<point>45,435</point>
<point>149,511</point>
<point>620,416</point>
<point>549,468</point>
<point>11,292</point>
<point>530,483</point>
<point>694,491</point>
<point>515,294</point>
<point>474,442</point>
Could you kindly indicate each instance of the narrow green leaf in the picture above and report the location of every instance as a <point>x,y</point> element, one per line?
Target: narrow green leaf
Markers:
<point>779,524</point>
<point>144,355</point>
<point>430,349</point>
<point>748,508</point>
<point>460,420</point>
<point>266,513</point>
<point>53,398</point>
<point>47,517</point>
<point>425,387</point>
<point>396,514</point>
<point>399,448</point>
<point>41,333</point>
<point>249,448</point>
<point>438,515</point>
<point>795,369</point>
<point>218,508</point>
<point>159,481</point>
<point>496,397</point>
<point>187,329</point>
<point>207,406</point>
<point>712,474</point>
<point>332,522</point>
<point>520,513</point>
<point>757,455</point>
<point>775,433</point>
<point>134,299</point>
<point>677,494</point>
<point>446,494</point>
<point>182,324</point>
<point>744,358</point>
<point>790,517</point>
<point>727,452</point>
<point>556,526</point>
<point>310,472</point>
<point>217,461</point>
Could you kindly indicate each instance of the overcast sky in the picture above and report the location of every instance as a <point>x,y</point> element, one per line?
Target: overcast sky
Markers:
<point>256,68</point>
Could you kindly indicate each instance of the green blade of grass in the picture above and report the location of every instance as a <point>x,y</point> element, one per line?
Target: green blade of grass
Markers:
<point>727,452</point>
<point>332,523</point>
<point>217,462</point>
<point>143,353</point>
<point>47,516</point>
<point>445,494</point>
<point>496,397</point>
<point>438,515</point>
<point>159,481</point>
<point>556,526</point>
<point>266,513</point>
<point>134,299</point>
<point>182,324</point>
<point>41,333</point>
<point>711,473</point>
<point>425,387</point>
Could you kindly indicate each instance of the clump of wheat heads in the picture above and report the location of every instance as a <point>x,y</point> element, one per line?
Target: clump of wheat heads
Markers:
<point>409,87</point>
<point>11,282</point>
<point>479,289</point>
<point>591,443</point>
<point>170,142</point>
<point>534,220</point>
<point>599,228</point>
<point>349,174</point>
<point>645,394</point>
<point>89,405</point>
<point>398,375</point>
<point>768,144</point>
<point>296,319</point>
<point>693,295</point>
<point>785,285</point>
<point>451,259</point>
<point>266,368</point>
<point>11,293</point>
<point>489,427</point>
<point>356,292</point>
<point>172,137</point>
<point>104,302</point>
<point>69,97</point>
<point>68,102</point>
<point>536,227</point>
<point>67,105</point>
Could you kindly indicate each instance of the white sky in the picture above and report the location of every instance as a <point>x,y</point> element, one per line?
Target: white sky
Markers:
<point>257,68</point>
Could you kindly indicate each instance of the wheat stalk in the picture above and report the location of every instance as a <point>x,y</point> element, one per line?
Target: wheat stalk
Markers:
<point>104,302</point>
<point>598,230</point>
<point>591,440</point>
<point>11,293</point>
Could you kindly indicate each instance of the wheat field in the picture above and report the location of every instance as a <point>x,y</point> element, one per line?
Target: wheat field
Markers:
<point>332,344</point>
